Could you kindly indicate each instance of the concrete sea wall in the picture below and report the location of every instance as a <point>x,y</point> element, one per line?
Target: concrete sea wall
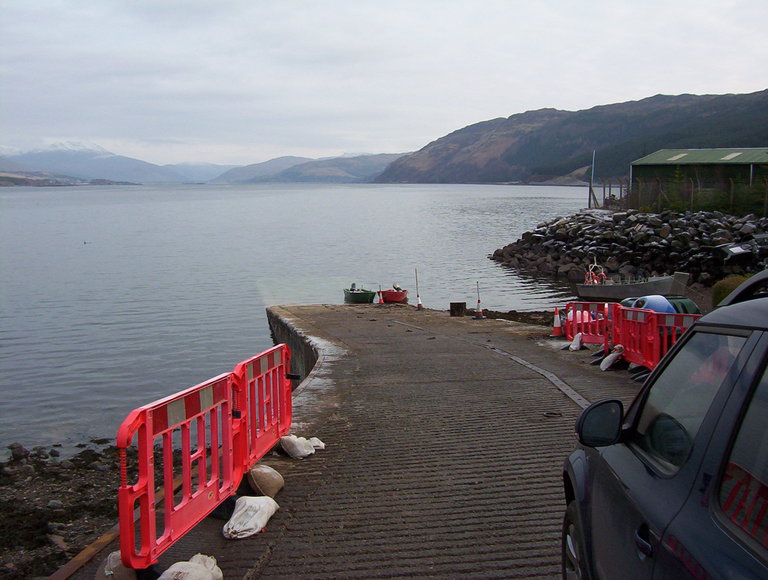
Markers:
<point>304,353</point>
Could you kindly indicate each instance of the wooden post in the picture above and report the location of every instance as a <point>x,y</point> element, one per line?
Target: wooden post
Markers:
<point>692,186</point>
<point>765,198</point>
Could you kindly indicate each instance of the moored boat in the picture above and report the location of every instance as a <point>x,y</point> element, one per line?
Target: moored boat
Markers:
<point>394,296</point>
<point>355,295</point>
<point>606,289</point>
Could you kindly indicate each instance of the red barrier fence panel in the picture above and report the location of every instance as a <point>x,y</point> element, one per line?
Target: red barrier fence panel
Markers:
<point>591,319</point>
<point>191,432</point>
<point>669,329</point>
<point>189,451</point>
<point>647,335</point>
<point>263,396</point>
<point>632,329</point>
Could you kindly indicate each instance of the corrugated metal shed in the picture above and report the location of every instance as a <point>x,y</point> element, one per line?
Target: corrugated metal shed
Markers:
<point>752,155</point>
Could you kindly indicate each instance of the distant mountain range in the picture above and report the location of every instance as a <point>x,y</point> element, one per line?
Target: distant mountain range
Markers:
<point>76,164</point>
<point>358,169</point>
<point>551,145</point>
<point>543,146</point>
<point>259,170</point>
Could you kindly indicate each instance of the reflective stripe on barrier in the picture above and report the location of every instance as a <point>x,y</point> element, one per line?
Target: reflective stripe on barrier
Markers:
<point>192,449</point>
<point>591,319</point>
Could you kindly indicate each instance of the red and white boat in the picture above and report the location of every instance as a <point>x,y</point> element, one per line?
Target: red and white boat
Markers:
<point>394,295</point>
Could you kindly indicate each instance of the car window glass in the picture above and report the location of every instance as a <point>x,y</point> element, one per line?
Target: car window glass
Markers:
<point>744,488</point>
<point>679,399</point>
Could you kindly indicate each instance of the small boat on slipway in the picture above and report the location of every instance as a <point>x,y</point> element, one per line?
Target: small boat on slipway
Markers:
<point>355,295</point>
<point>395,295</point>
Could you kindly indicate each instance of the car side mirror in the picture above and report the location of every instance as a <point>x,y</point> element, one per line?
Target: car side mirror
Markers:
<point>600,424</point>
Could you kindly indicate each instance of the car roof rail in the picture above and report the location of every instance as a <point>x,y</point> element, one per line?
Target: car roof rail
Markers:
<point>754,287</point>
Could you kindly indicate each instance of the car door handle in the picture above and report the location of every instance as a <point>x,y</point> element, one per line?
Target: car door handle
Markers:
<point>643,540</point>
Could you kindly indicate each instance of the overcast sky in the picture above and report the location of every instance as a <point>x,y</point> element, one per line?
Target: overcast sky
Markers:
<point>244,81</point>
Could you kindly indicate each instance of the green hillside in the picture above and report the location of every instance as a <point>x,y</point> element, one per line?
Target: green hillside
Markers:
<point>548,144</point>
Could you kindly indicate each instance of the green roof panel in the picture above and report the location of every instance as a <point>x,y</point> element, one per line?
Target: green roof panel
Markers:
<point>736,156</point>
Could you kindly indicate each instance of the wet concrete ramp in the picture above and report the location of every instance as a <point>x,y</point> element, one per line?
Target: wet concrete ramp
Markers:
<point>444,452</point>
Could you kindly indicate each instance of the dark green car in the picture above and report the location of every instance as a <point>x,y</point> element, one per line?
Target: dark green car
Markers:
<point>677,486</point>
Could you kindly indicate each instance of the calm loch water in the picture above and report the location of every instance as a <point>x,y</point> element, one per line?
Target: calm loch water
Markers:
<point>111,297</point>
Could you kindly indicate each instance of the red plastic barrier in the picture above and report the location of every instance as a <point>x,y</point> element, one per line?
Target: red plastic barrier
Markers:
<point>670,327</point>
<point>631,328</point>
<point>192,449</point>
<point>591,319</point>
<point>647,335</point>
<point>264,393</point>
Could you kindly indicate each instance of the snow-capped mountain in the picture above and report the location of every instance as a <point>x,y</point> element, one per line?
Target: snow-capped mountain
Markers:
<point>73,146</point>
<point>89,161</point>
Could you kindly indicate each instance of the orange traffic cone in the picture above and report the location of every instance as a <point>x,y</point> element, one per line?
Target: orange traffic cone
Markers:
<point>381,296</point>
<point>557,328</point>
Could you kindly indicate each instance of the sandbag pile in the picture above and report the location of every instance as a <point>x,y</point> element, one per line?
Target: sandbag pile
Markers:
<point>250,516</point>
<point>300,447</point>
<point>252,513</point>
<point>635,244</point>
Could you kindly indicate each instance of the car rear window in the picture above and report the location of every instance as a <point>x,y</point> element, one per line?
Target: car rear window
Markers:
<point>680,397</point>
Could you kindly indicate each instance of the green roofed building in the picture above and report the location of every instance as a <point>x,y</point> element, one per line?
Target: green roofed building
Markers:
<point>733,180</point>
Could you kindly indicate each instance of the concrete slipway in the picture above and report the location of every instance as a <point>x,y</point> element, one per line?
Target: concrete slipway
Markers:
<point>445,441</point>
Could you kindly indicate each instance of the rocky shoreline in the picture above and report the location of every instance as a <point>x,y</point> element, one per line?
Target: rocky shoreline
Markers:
<point>52,508</point>
<point>632,244</point>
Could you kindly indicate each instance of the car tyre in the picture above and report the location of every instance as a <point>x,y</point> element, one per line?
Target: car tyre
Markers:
<point>573,558</point>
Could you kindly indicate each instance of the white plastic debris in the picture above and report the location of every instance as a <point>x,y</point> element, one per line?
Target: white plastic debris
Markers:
<point>199,567</point>
<point>297,447</point>
<point>113,568</point>
<point>316,443</point>
<point>250,516</point>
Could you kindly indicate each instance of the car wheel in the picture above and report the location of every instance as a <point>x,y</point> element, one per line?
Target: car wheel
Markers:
<point>573,562</point>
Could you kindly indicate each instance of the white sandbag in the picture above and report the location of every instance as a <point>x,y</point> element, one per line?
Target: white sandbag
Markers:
<point>576,343</point>
<point>187,571</point>
<point>616,353</point>
<point>296,447</point>
<point>210,563</point>
<point>250,516</point>
<point>316,443</point>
